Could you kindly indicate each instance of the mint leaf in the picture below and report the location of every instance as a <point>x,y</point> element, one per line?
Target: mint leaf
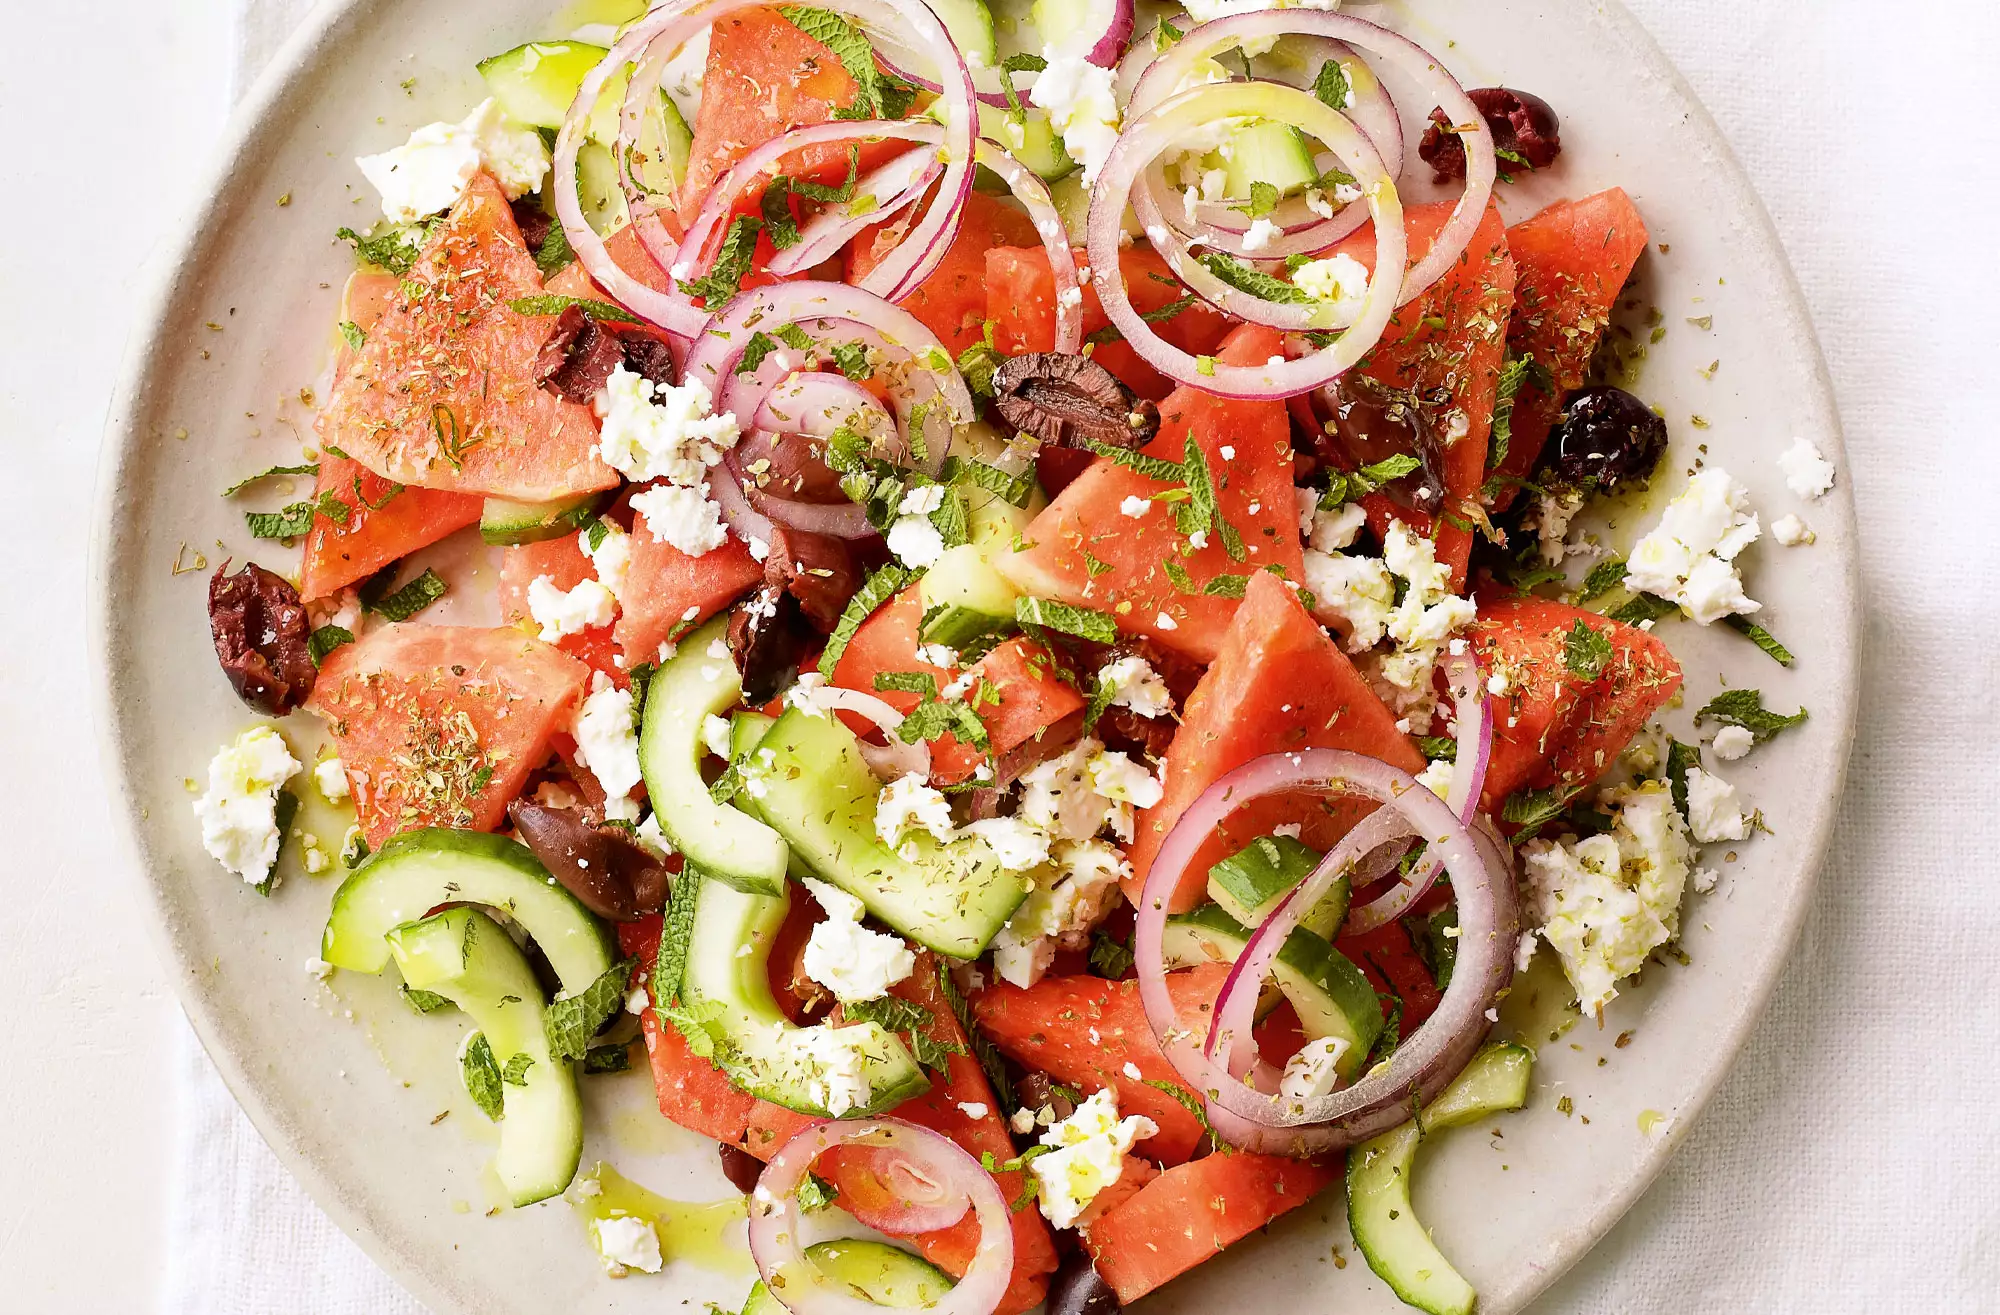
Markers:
<point>1761,637</point>
<point>1347,486</point>
<point>820,192</point>
<point>1745,708</point>
<point>394,251</point>
<point>1533,809</point>
<point>555,252</point>
<point>1202,498</point>
<point>885,583</point>
<point>1167,472</point>
<point>1255,282</point>
<point>608,1058</point>
<point>777,211</point>
<point>290,523</point>
<point>412,598</point>
<point>352,334</point>
<point>1438,748</point>
<point>983,1048</point>
<point>1641,608</point>
<point>1079,621</point>
<point>1586,651</point>
<point>1110,957</point>
<point>571,1023</point>
<point>1227,586</point>
<point>1603,578</point>
<point>670,965</point>
<point>891,1013</point>
<point>1263,200</point>
<point>1331,86</point>
<point>326,639</point>
<point>424,1002</point>
<point>1680,757</point>
<point>756,352</point>
<point>1192,1105</point>
<point>851,358</point>
<point>550,303</point>
<point>1015,490</point>
<point>309,468</point>
<point>1518,371</point>
<point>815,1193</point>
<point>725,277</point>
<point>877,95</point>
<point>482,1076</point>
<point>515,1074</point>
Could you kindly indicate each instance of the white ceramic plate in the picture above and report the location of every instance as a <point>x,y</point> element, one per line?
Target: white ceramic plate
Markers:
<point>344,1083</point>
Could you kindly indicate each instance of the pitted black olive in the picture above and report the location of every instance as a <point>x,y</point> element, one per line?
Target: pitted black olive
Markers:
<point>1526,133</point>
<point>262,638</point>
<point>1078,1289</point>
<point>1060,399</point>
<point>610,874</point>
<point>768,635</point>
<point>1606,436</point>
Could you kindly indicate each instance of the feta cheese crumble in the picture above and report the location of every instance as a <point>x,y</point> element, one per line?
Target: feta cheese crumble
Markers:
<point>1135,685</point>
<point>912,538</point>
<point>1609,900</point>
<point>661,431</point>
<point>331,778</point>
<point>611,558</point>
<point>1312,1071</point>
<point>1336,530</point>
<point>686,519</point>
<point>1807,473</point>
<point>1340,279</point>
<point>829,1063</point>
<point>1091,1145</point>
<point>1354,594</point>
<point>847,958</point>
<point>1688,557</point>
<point>1082,109</point>
<point>607,742</point>
<point>628,1243</point>
<point>1134,506</point>
<point>1732,742</point>
<point>1075,891</point>
<point>1790,531</point>
<point>1014,844</point>
<point>1259,234</point>
<point>239,811</point>
<point>561,612</point>
<point>909,803</point>
<point>1714,811</point>
<point>427,173</point>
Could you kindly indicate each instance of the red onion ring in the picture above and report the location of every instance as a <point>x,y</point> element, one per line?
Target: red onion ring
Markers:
<point>774,1218</point>
<point>816,404</point>
<point>1033,194</point>
<point>1157,84</point>
<point>1426,1061</point>
<point>1155,131</point>
<point>904,180</point>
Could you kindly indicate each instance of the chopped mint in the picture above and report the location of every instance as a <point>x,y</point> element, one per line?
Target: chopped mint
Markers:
<point>412,598</point>
<point>880,587</point>
<point>1603,578</point>
<point>1586,651</point>
<point>1015,490</point>
<point>550,303</point>
<point>1082,622</point>
<point>424,1002</point>
<point>1112,958</point>
<point>482,1076</point>
<point>608,1058</point>
<point>1253,281</point>
<point>353,335</point>
<point>515,1074</point>
<point>1745,708</point>
<point>1204,502</point>
<point>1640,608</point>
<point>555,252</point>
<point>1761,637</point>
<point>1350,485</point>
<point>725,277</point>
<point>309,468</point>
<point>1331,85</point>
<point>570,1023</point>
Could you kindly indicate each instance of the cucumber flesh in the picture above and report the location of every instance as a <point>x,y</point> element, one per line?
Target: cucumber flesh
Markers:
<point>819,794</point>
<point>1249,883</point>
<point>466,957</point>
<point>536,83</point>
<point>977,600</point>
<point>1030,139</point>
<point>1385,1226</point>
<point>509,523</point>
<point>417,871</point>
<point>886,1275</point>
<point>1268,152</point>
<point>722,841</point>
<point>728,965</point>
<point>970,23</point>
<point>1332,997</point>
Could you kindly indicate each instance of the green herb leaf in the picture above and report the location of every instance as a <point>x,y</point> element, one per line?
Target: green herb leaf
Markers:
<point>1640,608</point>
<point>1178,576</point>
<point>755,352</point>
<point>424,1002</point>
<point>815,1193</point>
<point>876,94</point>
<point>1253,281</point>
<point>309,468</point>
<point>1586,651</point>
<point>281,821</point>
<point>921,683</point>
<point>608,1058</point>
<point>879,588</point>
<point>1761,637</point>
<point>1518,371</point>
<point>412,598</point>
<point>983,1048</point>
<point>1167,472</point>
<point>1202,498</point>
<point>290,523</point>
<point>1015,490</point>
<point>1188,1101</point>
<point>1603,578</point>
<point>554,252</point>
<point>570,1023</point>
<point>1227,586</point>
<point>1079,621</point>
<point>1263,200</point>
<point>676,930</point>
<point>550,303</point>
<point>820,192</point>
<point>515,1074</point>
<point>1351,485</point>
<point>482,1076</point>
<point>1680,757</point>
<point>326,639</point>
<point>725,277</point>
<point>778,219</point>
<point>1110,957</point>
<point>851,359</point>
<point>353,335</point>
<point>1331,85</point>
<point>394,250</point>
<point>977,364</point>
<point>1438,748</point>
<point>892,1013</point>
<point>1533,809</point>
<point>1745,708</point>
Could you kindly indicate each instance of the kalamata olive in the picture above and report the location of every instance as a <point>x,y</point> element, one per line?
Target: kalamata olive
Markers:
<point>1078,1289</point>
<point>1037,1091</point>
<point>1526,133</point>
<point>577,357</point>
<point>533,221</point>
<point>648,357</point>
<point>740,1167</point>
<point>768,634</point>
<point>1372,421</point>
<point>1606,435</point>
<point>262,637</point>
<point>796,469</point>
<point>816,569</point>
<point>611,875</point>
<point>1061,398</point>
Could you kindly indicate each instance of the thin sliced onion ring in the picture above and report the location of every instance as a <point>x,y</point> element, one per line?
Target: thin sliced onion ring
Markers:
<point>1157,84</point>
<point>1154,132</point>
<point>774,1218</point>
<point>1424,1063</point>
<point>904,180</point>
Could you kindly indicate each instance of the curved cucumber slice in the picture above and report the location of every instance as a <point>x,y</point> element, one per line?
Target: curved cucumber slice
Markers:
<point>886,1275</point>
<point>536,83</point>
<point>819,794</point>
<point>728,961</point>
<point>976,599</point>
<point>417,871</point>
<point>1332,996</point>
<point>1032,141</point>
<point>466,957</point>
<point>1249,883</point>
<point>1268,152</point>
<point>1398,1247</point>
<point>723,842</point>
<point>508,523</point>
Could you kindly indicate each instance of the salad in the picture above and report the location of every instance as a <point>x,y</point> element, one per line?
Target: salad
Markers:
<point>1050,666</point>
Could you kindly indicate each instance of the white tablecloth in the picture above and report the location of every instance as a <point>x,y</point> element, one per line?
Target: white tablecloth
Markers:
<point>1849,1163</point>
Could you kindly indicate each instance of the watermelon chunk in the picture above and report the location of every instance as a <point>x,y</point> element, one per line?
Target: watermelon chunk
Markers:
<point>440,725</point>
<point>1191,1212</point>
<point>1021,302</point>
<point>1279,683</point>
<point>1573,259</point>
<point>664,584</point>
<point>1452,340</point>
<point>442,394</point>
<point>382,526</point>
<point>564,562</point>
<point>952,302</point>
<point>1555,727</point>
<point>1083,1031</point>
<point>1084,550</point>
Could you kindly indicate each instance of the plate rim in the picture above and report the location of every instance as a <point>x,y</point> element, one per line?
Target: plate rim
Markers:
<point>257,118</point>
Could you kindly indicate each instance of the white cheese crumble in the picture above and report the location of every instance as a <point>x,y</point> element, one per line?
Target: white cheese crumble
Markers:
<point>1732,742</point>
<point>1354,594</point>
<point>684,518</point>
<point>1790,531</point>
<point>1134,506</point>
<point>628,1243</point>
<point>973,1109</point>
<point>1689,556</point>
<point>1259,234</point>
<point>562,612</point>
<point>1091,1145</point>
<point>331,778</point>
<point>1135,685</point>
<point>1336,530</point>
<point>1340,279</point>
<point>661,431</point>
<point>611,558</point>
<point>1714,811</point>
<point>1807,473</point>
<point>1313,1071</point>
<point>427,173</point>
<point>1072,894</point>
<point>912,538</point>
<point>829,1063</point>
<point>909,803</point>
<point>1609,900</point>
<point>847,958</point>
<point>239,811</point>
<point>1014,844</point>
<point>1082,109</point>
<point>715,733</point>
<point>1085,790</point>
<point>607,742</point>
<point>1420,626</point>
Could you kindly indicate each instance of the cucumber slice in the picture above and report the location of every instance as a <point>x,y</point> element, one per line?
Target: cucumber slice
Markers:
<point>886,1275</point>
<point>976,599</point>
<point>728,964</point>
<point>1037,145</point>
<point>970,23</point>
<point>1268,152</point>
<point>466,957</point>
<point>1396,1244</point>
<point>1249,883</point>
<point>819,794</point>
<point>598,189</point>
<point>508,523</point>
<point>536,83</point>
<point>1331,995</point>
<point>417,871</point>
<point>722,841</point>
